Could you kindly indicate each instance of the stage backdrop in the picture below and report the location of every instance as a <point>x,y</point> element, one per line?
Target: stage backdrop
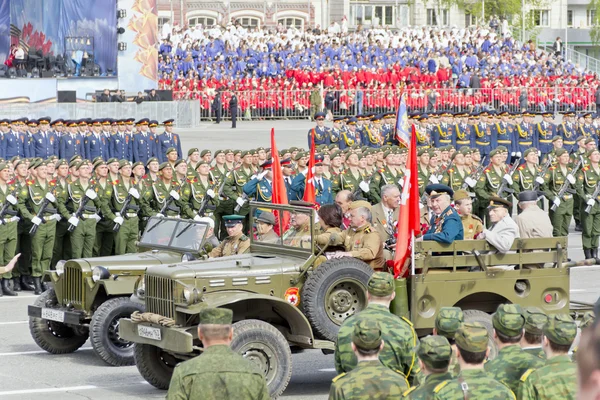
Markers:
<point>51,26</point>
<point>4,29</point>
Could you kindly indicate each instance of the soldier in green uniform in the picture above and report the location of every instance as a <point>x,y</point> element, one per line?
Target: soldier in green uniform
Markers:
<point>531,342</point>
<point>491,179</point>
<point>105,235</point>
<point>234,193</point>
<point>387,175</point>
<point>588,178</point>
<point>524,178</point>
<point>423,170</point>
<point>152,176</point>
<point>193,160</point>
<point>30,202</point>
<point>8,226</point>
<point>553,181</point>
<point>434,354</point>
<point>400,338</point>
<point>62,240</point>
<point>557,379</point>
<point>512,361</point>
<point>127,219</point>
<point>195,192</point>
<point>473,382</point>
<point>370,378</point>
<point>588,320</point>
<point>165,188</point>
<point>22,274</point>
<point>447,322</point>
<point>218,373</point>
<point>351,178</point>
<point>457,173</point>
<point>236,242</point>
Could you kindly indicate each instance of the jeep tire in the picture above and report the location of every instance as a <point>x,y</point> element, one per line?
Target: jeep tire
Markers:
<point>154,364</point>
<point>55,337</point>
<point>334,291</point>
<point>266,347</point>
<point>486,320</point>
<point>104,331</point>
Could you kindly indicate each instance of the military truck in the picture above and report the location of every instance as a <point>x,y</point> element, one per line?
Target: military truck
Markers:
<point>88,297</point>
<point>282,302</point>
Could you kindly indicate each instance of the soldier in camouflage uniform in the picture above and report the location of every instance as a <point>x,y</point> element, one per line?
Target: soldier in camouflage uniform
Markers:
<point>236,242</point>
<point>531,342</point>
<point>8,228</point>
<point>553,182</point>
<point>447,322</point>
<point>398,334</point>
<point>219,372</point>
<point>434,354</point>
<point>586,321</point>
<point>473,382</point>
<point>588,178</point>
<point>557,378</point>
<point>512,361</point>
<point>370,378</point>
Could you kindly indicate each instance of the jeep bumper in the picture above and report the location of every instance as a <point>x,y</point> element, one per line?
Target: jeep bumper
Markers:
<point>176,340</point>
<point>57,314</point>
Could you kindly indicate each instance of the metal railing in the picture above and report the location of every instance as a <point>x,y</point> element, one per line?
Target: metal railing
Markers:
<point>185,113</point>
<point>584,61</point>
<point>297,104</point>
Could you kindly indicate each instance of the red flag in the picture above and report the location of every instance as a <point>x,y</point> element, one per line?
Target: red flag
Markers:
<point>409,214</point>
<point>279,192</point>
<point>310,194</point>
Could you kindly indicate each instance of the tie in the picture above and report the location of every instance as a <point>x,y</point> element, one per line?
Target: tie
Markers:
<point>319,186</point>
<point>390,218</point>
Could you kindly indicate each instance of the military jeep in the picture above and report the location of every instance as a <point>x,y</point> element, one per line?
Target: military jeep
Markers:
<point>89,296</point>
<point>282,302</point>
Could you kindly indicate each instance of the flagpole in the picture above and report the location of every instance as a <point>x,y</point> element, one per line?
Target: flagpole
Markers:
<point>412,253</point>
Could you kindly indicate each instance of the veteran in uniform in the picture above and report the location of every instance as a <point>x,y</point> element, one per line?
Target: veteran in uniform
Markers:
<point>445,225</point>
<point>236,242</point>
<point>265,222</point>
<point>472,224</point>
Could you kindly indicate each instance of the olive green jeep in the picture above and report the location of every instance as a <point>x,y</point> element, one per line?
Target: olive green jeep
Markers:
<point>88,297</point>
<point>282,302</point>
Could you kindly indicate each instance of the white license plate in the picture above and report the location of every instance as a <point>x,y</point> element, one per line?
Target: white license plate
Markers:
<point>149,332</point>
<point>53,315</point>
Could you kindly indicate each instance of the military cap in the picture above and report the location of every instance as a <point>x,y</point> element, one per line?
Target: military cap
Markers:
<point>586,115</point>
<point>129,121</point>
<point>286,162</point>
<point>246,153</point>
<point>121,122</point>
<point>560,329</point>
<point>436,190</point>
<point>587,320</point>
<point>106,121</point>
<point>72,164</point>
<point>319,159</point>
<point>123,163</point>
<point>508,319</point>
<point>435,352</point>
<point>589,140</point>
<point>171,149</point>
<point>503,114</point>
<point>535,319</point>
<point>99,163</point>
<point>153,124</point>
<point>201,162</point>
<point>178,162</point>
<point>32,122</point>
<point>320,116</point>
<point>219,152</point>
<point>502,149</point>
<point>3,166</point>
<point>422,150</point>
<point>528,195</point>
<point>560,152</point>
<point>432,152</point>
<point>293,149</point>
<point>44,120</point>
<point>499,202</point>
<point>168,122</point>
<point>376,118</point>
<point>592,151</point>
<point>15,158</point>
<point>448,320</point>
<point>358,204</point>
<point>299,155</point>
<point>78,164</point>
<point>112,160</point>
<point>367,335</point>
<point>232,220</point>
<point>4,122</point>
<point>37,163</point>
<point>338,119</point>
<point>202,153</point>
<point>381,284</point>
<point>151,160</point>
<point>60,162</point>
<point>216,316</point>
<point>267,217</point>
<point>352,121</point>
<point>267,164</point>
<point>472,336</point>
<point>72,124</point>
<point>580,137</point>
<point>556,138</point>
<point>164,165</point>
<point>21,161</point>
<point>529,151</point>
<point>494,152</point>
<point>191,151</point>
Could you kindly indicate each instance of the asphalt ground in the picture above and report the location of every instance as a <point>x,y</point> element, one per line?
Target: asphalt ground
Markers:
<point>27,372</point>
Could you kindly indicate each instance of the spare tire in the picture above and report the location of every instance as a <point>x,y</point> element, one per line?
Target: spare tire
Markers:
<point>486,320</point>
<point>336,290</point>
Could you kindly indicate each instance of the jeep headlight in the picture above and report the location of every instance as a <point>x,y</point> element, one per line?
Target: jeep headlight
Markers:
<point>140,287</point>
<point>187,257</point>
<point>191,295</point>
<point>99,273</point>
<point>60,267</point>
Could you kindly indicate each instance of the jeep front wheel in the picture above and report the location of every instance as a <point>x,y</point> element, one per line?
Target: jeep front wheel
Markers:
<point>336,290</point>
<point>154,364</point>
<point>54,337</point>
<point>265,346</point>
<point>104,331</point>
<point>486,320</point>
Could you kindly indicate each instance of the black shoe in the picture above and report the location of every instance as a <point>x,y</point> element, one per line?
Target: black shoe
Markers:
<point>16,284</point>
<point>594,253</point>
<point>37,284</point>
<point>6,288</point>
<point>587,253</point>
<point>578,228</point>
<point>26,283</point>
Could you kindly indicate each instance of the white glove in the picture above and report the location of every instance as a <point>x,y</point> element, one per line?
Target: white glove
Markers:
<point>211,193</point>
<point>90,194</point>
<point>313,169</point>
<point>36,220</point>
<point>433,179</point>
<point>1,222</point>
<point>57,217</point>
<point>470,181</point>
<point>590,202</point>
<point>118,220</point>
<point>401,182</point>
<point>556,201</point>
<point>97,218</point>
<point>197,218</point>
<point>512,154</point>
<point>159,215</point>
<point>518,154</point>
<point>571,179</point>
<point>50,197</point>
<point>539,153</point>
<point>508,179</point>
<point>174,194</point>
<point>74,221</point>
<point>240,201</point>
<point>134,192</point>
<point>364,186</point>
<point>262,175</point>
<point>440,177</point>
<point>539,180</point>
<point>421,205</point>
<point>11,199</point>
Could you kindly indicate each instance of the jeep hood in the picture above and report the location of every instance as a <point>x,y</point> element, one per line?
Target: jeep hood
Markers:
<point>133,261</point>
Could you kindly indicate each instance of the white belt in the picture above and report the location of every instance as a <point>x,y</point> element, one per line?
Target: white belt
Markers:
<point>131,215</point>
<point>90,216</point>
<point>12,219</point>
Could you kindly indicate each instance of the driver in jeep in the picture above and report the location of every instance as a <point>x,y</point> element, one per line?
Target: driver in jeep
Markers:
<point>236,242</point>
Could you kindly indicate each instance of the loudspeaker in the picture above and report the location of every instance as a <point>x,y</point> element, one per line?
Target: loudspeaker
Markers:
<point>67,96</point>
<point>47,74</point>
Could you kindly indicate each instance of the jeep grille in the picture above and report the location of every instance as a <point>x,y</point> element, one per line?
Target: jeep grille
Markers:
<point>73,292</point>
<point>159,296</point>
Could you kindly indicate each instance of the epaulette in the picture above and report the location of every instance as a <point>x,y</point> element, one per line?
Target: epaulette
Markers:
<point>338,377</point>
<point>440,386</point>
<point>476,218</point>
<point>409,391</point>
<point>88,134</point>
<point>115,182</point>
<point>382,170</point>
<point>191,180</point>
<point>526,374</point>
<point>450,170</point>
<point>407,321</point>
<point>12,181</point>
<point>487,170</point>
<point>368,230</point>
<point>449,212</point>
<point>522,167</point>
<point>586,168</point>
<point>552,168</point>
<point>145,176</point>
<point>243,238</point>
<point>30,182</point>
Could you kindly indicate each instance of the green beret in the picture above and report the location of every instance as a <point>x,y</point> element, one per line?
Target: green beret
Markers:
<point>61,162</point>
<point>535,319</point>
<point>75,157</point>
<point>431,152</point>
<point>221,152</point>
<point>422,151</point>
<point>472,336</point>
<point>15,158</point>
<point>99,163</point>
<point>435,352</point>
<point>21,162</point>
<point>381,284</point>
<point>464,150</point>
<point>79,164</point>
<point>589,140</point>
<point>202,153</point>
<point>560,329</point>
<point>529,151</point>
<point>299,155</point>
<point>170,149</point>
<point>590,152</point>
<point>123,163</point>
<point>164,165</point>
<point>335,154</point>
<point>448,320</point>
<point>494,152</point>
<point>246,153</point>
<point>587,320</point>
<point>137,164</point>
<point>367,335</point>
<point>180,161</point>
<point>403,150</point>
<point>216,316</point>
<point>112,160</point>
<point>560,152</point>
<point>3,166</point>
<point>502,149</point>
<point>202,162</point>
<point>36,163</point>
<point>192,150</point>
<point>151,160</point>
<point>556,138</point>
<point>508,319</point>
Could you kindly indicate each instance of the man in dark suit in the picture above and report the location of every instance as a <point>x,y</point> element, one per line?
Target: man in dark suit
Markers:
<point>217,105</point>
<point>104,97</point>
<point>233,109</point>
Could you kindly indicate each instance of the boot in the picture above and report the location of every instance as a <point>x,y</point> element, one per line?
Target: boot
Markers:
<point>16,284</point>
<point>594,254</point>
<point>587,253</point>
<point>6,288</point>
<point>578,228</point>
<point>37,284</point>
<point>26,284</point>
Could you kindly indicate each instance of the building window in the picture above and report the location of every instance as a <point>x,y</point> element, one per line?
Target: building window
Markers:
<point>162,21</point>
<point>249,22</point>
<point>470,20</point>
<point>540,17</point>
<point>297,23</point>
<point>433,15</point>
<point>204,21</point>
<point>569,17</point>
<point>591,17</point>
<point>361,14</point>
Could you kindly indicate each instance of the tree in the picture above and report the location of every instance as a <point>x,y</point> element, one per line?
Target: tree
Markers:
<point>593,8</point>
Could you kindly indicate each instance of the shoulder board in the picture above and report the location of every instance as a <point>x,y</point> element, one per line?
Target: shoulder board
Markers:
<point>522,167</point>
<point>586,168</point>
<point>12,181</point>
<point>409,391</point>
<point>382,170</point>
<point>407,321</point>
<point>243,238</point>
<point>368,230</point>
<point>553,167</point>
<point>526,374</point>
<point>89,134</point>
<point>487,170</point>
<point>29,182</point>
<point>440,386</point>
<point>450,170</point>
<point>338,377</point>
<point>449,212</point>
<point>476,217</point>
<point>145,177</point>
<point>92,181</point>
<point>52,182</point>
<point>115,182</point>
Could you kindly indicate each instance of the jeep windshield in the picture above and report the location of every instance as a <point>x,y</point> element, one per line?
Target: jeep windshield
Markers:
<point>176,234</point>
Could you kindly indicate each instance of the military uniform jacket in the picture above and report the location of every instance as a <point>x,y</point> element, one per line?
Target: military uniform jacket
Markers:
<point>347,180</point>
<point>193,195</point>
<point>472,226</point>
<point>32,197</point>
<point>483,138</point>
<point>553,181</point>
<point>587,181</point>
<point>505,136</point>
<point>546,132</point>
<point>371,137</point>
<point>381,177</point>
<point>12,210</point>
<point>445,228</point>
<point>555,380</point>
<point>510,364</point>
<point>489,182</point>
<point>569,134</point>
<point>70,199</point>
<point>454,178</point>
<point>161,192</point>
<point>323,190</point>
<point>422,178</point>
<point>218,373</point>
<point>464,136</point>
<point>259,190</point>
<point>364,244</point>
<point>120,192</point>
<point>525,137</point>
<point>144,147</point>
<point>478,384</point>
<point>234,185</point>
<point>96,146</point>
<point>443,135</point>
<point>427,389</point>
<point>231,246</point>
<point>524,178</point>
<point>322,135</point>
<point>369,380</point>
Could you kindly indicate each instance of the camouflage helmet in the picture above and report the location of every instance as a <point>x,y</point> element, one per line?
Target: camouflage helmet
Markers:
<point>367,334</point>
<point>472,336</point>
<point>435,352</point>
<point>508,319</point>
<point>381,284</point>
<point>560,329</point>
<point>535,319</point>
<point>448,320</point>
